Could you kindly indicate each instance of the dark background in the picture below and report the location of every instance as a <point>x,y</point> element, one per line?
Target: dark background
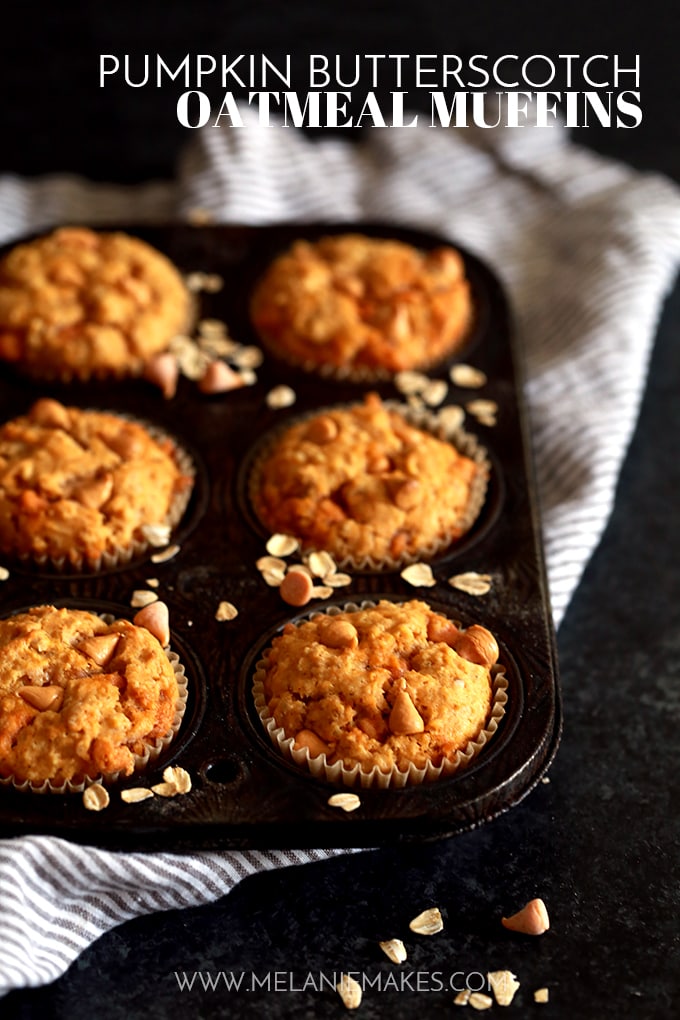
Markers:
<point>600,842</point>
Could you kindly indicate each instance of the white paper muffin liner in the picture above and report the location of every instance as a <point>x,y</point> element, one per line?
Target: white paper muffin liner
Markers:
<point>138,547</point>
<point>338,773</point>
<point>152,749</point>
<point>421,418</point>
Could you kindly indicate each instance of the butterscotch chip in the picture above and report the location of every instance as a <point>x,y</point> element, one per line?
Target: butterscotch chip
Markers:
<point>108,712</point>
<point>381,488</point>
<point>77,303</point>
<point>78,485</point>
<point>353,301</point>
<point>373,687</point>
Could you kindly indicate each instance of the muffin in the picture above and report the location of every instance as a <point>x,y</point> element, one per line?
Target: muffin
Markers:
<point>362,306</point>
<point>367,486</point>
<point>391,692</point>
<point>76,304</point>
<point>80,487</point>
<point>79,697</point>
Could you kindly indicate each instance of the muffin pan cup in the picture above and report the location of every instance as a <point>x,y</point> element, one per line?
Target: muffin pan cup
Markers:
<point>244,793</point>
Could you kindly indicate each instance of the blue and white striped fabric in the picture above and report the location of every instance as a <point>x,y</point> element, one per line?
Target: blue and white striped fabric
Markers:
<point>587,250</point>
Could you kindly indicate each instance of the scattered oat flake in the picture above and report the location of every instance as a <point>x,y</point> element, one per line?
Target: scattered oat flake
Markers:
<point>504,985</point>
<point>542,995</point>
<point>321,564</point>
<point>217,346</point>
<point>152,582</point>
<point>482,407</point>
<point>409,382</point>
<point>427,923</point>
<point>273,577</point>
<point>212,283</point>
<point>415,402</point>
<point>321,591</point>
<point>394,950</point>
<point>282,545</point>
<point>95,797</point>
<point>462,998</point>
<point>488,420</point>
<point>435,392</point>
<point>479,1001</point>
<point>337,580</point>
<point>248,357</point>
<point>300,568</point>
<point>156,534</point>
<point>165,789</point>
<point>136,794</point>
<point>142,597</point>
<point>346,801</point>
<point>471,582</point>
<point>270,563</point>
<point>199,217</point>
<point>177,777</point>
<point>280,396</point>
<point>212,327</point>
<point>419,575</point>
<point>167,554</point>
<point>349,991</point>
<point>467,376</point>
<point>545,780</point>
<point>451,417</point>
<point>195,282</point>
<point>226,611</point>
<point>4,573</point>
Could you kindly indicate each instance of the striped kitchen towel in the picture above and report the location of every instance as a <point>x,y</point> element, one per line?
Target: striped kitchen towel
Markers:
<point>587,250</point>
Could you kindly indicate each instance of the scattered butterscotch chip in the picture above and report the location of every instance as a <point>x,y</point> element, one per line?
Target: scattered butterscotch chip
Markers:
<point>165,790</point>
<point>479,1001</point>
<point>4,573</point>
<point>218,377</point>
<point>279,397</point>
<point>177,777</point>
<point>95,797</point>
<point>156,534</point>
<point>419,575</point>
<point>321,564</point>
<point>142,597</point>
<point>409,382</point>
<point>429,922</point>
<point>542,995</point>
<point>337,580</point>
<point>504,985</point>
<point>435,392</point>
<point>296,588</point>
<point>165,555</point>
<point>136,794</point>
<point>155,618</point>
<point>163,371</point>
<point>451,417</point>
<point>321,591</point>
<point>471,583</point>
<point>462,998</point>
<point>152,582</point>
<point>282,545</point>
<point>532,919</point>
<point>394,950</point>
<point>226,611</point>
<point>467,377</point>
<point>349,991</point>
<point>346,801</point>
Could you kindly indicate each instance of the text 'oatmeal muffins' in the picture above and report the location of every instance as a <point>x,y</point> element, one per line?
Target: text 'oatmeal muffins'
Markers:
<point>350,303</point>
<point>366,485</point>
<point>77,304</point>
<point>80,697</point>
<point>77,486</point>
<point>390,692</point>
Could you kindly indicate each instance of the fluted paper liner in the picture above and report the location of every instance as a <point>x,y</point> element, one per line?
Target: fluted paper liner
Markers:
<point>421,418</point>
<point>339,774</point>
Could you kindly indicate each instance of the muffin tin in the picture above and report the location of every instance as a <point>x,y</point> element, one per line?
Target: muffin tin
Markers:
<point>244,794</point>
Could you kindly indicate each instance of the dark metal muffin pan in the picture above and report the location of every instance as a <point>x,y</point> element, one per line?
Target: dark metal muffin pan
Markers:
<point>244,794</point>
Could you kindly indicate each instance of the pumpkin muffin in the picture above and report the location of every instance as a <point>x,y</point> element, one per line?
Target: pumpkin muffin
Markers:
<point>351,303</point>
<point>80,698</point>
<point>80,487</point>
<point>390,689</point>
<point>367,486</point>
<point>77,304</point>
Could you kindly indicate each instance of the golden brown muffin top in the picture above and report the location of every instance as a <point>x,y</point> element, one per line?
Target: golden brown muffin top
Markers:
<point>78,696</point>
<point>362,482</point>
<point>353,301</point>
<point>76,484</point>
<point>387,686</point>
<point>76,303</point>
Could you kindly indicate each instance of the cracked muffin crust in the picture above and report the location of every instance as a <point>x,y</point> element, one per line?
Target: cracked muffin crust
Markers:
<point>79,697</point>
<point>353,302</point>
<point>387,687</point>
<point>361,482</point>
<point>81,304</point>
<point>76,485</point>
